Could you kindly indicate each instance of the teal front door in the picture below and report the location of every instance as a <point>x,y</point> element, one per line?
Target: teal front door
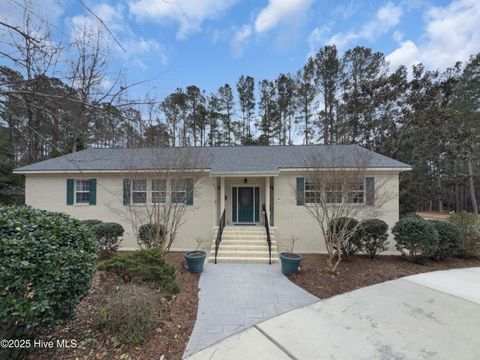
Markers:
<point>245,204</point>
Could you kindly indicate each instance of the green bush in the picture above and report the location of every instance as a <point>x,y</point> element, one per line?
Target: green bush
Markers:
<point>373,236</point>
<point>147,265</point>
<point>415,237</point>
<point>346,229</point>
<point>130,313</point>
<point>108,237</point>
<point>469,226</point>
<point>449,239</point>
<point>47,262</point>
<point>150,235</point>
<point>91,222</point>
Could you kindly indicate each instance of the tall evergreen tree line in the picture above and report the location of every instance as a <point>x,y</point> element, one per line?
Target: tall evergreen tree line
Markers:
<point>429,119</point>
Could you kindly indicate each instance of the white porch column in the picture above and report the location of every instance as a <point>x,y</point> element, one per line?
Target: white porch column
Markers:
<point>222,195</point>
<point>267,196</point>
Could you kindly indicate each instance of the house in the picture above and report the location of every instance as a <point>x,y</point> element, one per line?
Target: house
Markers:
<point>106,184</point>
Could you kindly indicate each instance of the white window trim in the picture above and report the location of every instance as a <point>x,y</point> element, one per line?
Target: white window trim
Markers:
<point>132,192</point>
<point>324,193</point>
<point>176,191</point>
<point>164,191</point>
<point>78,191</point>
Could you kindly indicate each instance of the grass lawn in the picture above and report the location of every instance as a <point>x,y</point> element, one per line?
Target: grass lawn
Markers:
<point>170,339</point>
<point>360,271</point>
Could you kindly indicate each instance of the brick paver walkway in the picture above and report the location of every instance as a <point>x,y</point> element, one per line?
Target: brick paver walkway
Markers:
<point>233,297</point>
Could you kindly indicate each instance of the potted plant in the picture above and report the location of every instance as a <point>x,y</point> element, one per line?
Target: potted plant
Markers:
<point>290,261</point>
<point>196,258</point>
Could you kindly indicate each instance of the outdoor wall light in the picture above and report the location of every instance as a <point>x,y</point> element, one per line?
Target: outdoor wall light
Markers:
<point>245,180</point>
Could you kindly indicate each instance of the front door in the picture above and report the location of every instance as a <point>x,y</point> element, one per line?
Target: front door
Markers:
<point>245,204</point>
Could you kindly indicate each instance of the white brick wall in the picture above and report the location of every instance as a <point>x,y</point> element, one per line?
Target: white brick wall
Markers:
<point>48,192</point>
<point>292,220</point>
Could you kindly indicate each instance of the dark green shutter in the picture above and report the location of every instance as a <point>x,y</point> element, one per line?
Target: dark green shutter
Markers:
<point>70,188</point>
<point>370,190</point>
<point>189,200</point>
<point>300,190</point>
<point>234,204</point>
<point>257,204</point>
<point>126,191</point>
<point>92,200</point>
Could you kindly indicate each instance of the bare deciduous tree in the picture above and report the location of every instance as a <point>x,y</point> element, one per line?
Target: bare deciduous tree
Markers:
<point>161,197</point>
<point>338,186</point>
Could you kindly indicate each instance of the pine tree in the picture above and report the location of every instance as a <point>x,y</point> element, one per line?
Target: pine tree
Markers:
<point>246,97</point>
<point>305,93</point>
<point>226,107</point>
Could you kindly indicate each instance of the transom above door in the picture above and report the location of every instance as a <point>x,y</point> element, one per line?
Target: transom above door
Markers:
<point>245,204</point>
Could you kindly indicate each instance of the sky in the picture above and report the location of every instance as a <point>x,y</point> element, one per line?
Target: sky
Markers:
<point>176,43</point>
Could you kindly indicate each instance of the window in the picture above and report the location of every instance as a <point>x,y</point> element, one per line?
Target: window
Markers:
<point>356,192</point>
<point>82,191</point>
<point>333,192</point>
<point>139,191</point>
<point>312,192</point>
<point>178,191</point>
<point>159,191</point>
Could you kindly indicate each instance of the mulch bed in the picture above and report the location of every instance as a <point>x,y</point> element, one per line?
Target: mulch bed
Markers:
<point>166,342</point>
<point>360,271</point>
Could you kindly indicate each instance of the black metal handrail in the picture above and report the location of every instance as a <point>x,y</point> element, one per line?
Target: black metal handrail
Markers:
<point>218,240</point>
<point>269,240</point>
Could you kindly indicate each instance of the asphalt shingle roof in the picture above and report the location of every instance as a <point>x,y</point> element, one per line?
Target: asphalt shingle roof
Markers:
<point>242,159</point>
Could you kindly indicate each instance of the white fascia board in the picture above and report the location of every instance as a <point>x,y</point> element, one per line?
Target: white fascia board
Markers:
<point>30,172</point>
<point>244,174</point>
<point>386,169</point>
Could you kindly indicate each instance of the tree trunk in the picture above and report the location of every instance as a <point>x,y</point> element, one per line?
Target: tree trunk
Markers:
<point>472,187</point>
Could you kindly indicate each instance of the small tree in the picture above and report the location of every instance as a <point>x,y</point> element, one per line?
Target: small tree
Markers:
<point>162,196</point>
<point>336,186</point>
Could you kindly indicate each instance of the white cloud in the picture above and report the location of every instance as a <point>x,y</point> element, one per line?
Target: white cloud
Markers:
<point>318,37</point>
<point>188,14</point>
<point>451,34</point>
<point>113,17</point>
<point>386,18</point>
<point>278,11</point>
<point>407,54</point>
<point>239,38</point>
<point>12,12</point>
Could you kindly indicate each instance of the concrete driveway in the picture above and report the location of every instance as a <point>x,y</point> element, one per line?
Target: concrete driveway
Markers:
<point>234,297</point>
<point>428,316</point>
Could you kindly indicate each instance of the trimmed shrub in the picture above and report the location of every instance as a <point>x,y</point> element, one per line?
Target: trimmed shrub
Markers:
<point>130,313</point>
<point>91,222</point>
<point>150,235</point>
<point>146,265</point>
<point>373,236</point>
<point>108,237</point>
<point>416,238</point>
<point>346,228</point>
<point>47,262</point>
<point>449,239</point>
<point>469,226</point>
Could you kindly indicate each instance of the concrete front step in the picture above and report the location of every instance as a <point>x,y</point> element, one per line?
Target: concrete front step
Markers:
<point>241,253</point>
<point>244,245</point>
<point>236,247</point>
<point>224,259</point>
<point>244,242</point>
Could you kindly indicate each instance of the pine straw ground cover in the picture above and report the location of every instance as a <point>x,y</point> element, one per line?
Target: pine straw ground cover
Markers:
<point>360,271</point>
<point>166,342</point>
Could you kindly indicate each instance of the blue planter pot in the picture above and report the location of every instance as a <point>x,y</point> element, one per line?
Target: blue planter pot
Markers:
<point>290,263</point>
<point>195,260</point>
